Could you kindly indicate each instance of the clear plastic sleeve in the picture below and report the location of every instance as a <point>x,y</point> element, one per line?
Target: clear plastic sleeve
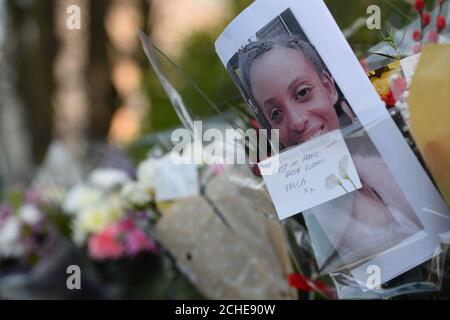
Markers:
<point>383,227</point>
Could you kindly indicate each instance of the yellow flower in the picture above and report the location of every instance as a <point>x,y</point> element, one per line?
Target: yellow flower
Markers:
<point>95,218</point>
<point>383,83</point>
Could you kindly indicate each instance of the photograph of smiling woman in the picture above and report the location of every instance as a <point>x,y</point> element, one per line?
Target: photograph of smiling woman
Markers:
<point>258,82</point>
<point>290,89</point>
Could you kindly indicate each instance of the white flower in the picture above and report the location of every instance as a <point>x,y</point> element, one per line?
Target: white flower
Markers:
<point>146,174</point>
<point>10,246</point>
<point>95,218</point>
<point>79,234</point>
<point>108,178</point>
<point>135,194</point>
<point>394,77</point>
<point>81,197</point>
<point>331,182</point>
<point>406,94</point>
<point>343,165</point>
<point>30,214</point>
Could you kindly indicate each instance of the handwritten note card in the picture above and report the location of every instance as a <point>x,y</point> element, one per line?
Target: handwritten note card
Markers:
<point>310,174</point>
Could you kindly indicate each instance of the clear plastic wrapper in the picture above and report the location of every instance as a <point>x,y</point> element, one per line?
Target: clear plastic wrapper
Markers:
<point>404,44</point>
<point>424,281</point>
<point>226,246</point>
<point>295,233</point>
<point>379,238</point>
<point>386,223</point>
<point>225,240</point>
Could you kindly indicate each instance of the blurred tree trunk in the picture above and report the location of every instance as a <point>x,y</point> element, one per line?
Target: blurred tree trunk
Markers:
<point>103,97</point>
<point>15,137</point>
<point>71,98</point>
<point>32,31</point>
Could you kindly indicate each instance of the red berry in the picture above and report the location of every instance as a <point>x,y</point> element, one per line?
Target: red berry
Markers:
<point>419,5</point>
<point>255,170</point>
<point>433,36</point>
<point>425,19</point>
<point>389,99</point>
<point>417,35</point>
<point>254,124</point>
<point>441,24</point>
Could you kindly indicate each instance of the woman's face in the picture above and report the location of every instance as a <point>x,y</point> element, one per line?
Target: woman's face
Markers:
<point>292,96</point>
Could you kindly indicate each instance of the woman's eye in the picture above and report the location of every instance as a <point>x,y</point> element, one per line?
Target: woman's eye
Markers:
<point>303,93</point>
<point>275,115</point>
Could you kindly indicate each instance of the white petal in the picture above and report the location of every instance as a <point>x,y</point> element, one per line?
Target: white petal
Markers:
<point>108,178</point>
<point>331,182</point>
<point>343,165</point>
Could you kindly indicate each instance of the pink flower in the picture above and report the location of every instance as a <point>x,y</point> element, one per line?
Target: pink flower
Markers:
<point>433,36</point>
<point>106,244</point>
<point>32,197</point>
<point>137,241</point>
<point>217,169</point>
<point>126,225</point>
<point>364,64</point>
<point>398,87</point>
<point>5,212</point>
<point>417,48</point>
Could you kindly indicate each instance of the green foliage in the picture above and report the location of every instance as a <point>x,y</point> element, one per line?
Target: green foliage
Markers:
<point>202,64</point>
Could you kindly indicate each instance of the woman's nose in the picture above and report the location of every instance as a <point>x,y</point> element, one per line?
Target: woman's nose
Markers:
<point>297,121</point>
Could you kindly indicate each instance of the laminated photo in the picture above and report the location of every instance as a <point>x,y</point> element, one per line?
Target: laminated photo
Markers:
<point>298,74</point>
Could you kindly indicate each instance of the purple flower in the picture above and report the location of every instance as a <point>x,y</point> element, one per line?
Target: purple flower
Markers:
<point>32,197</point>
<point>5,212</point>
<point>137,241</point>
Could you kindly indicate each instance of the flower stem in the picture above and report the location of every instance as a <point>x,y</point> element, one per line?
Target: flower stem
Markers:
<point>348,178</point>
<point>342,186</point>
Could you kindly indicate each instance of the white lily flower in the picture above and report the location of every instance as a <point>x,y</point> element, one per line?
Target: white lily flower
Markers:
<point>135,194</point>
<point>331,182</point>
<point>81,197</point>
<point>343,165</point>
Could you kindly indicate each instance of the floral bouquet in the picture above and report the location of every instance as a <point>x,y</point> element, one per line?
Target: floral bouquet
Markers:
<point>103,224</point>
<point>109,214</point>
<point>26,233</point>
<point>111,217</point>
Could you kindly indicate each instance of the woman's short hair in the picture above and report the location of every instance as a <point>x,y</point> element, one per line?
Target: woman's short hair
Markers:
<point>256,49</point>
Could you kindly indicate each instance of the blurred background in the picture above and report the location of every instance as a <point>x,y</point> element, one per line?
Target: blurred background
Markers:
<point>94,84</point>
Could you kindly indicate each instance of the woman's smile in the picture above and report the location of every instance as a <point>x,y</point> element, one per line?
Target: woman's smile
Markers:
<point>311,134</point>
<point>294,97</point>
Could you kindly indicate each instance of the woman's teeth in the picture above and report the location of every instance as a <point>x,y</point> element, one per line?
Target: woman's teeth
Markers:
<point>317,134</point>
